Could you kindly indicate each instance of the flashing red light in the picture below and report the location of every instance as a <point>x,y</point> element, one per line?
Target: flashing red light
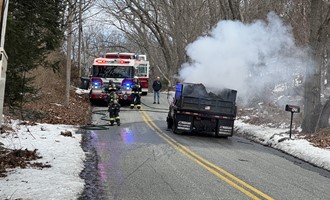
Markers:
<point>101,61</point>
<point>121,61</point>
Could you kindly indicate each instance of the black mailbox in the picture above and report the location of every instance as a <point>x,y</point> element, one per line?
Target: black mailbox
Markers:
<point>292,108</point>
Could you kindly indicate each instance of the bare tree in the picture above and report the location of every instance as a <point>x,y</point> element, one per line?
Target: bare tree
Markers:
<point>72,18</point>
<point>163,28</point>
<point>69,49</point>
<point>320,41</point>
<point>310,22</point>
<point>312,103</point>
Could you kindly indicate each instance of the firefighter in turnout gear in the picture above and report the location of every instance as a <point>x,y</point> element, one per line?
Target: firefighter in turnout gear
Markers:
<point>136,93</point>
<point>113,105</point>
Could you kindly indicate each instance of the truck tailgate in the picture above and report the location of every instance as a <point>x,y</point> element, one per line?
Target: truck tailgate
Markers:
<point>214,106</point>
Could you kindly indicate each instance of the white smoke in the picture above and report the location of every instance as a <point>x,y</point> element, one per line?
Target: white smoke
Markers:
<point>245,57</point>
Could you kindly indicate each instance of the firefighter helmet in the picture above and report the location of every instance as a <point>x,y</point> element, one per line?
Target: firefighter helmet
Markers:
<point>136,79</point>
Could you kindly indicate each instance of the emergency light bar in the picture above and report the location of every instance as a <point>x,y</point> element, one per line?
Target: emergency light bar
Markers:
<point>127,83</point>
<point>101,61</point>
<point>104,61</point>
<point>96,83</point>
<point>123,61</point>
<point>128,86</point>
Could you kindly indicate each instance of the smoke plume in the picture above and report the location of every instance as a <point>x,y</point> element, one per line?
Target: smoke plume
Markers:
<point>245,57</point>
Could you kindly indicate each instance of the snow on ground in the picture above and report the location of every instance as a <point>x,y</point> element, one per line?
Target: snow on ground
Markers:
<point>66,156</point>
<point>280,139</point>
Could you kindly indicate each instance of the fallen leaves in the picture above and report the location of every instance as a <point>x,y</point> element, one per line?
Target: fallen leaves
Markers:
<point>50,112</point>
<point>53,112</point>
<point>19,158</point>
<point>320,139</point>
<point>48,108</point>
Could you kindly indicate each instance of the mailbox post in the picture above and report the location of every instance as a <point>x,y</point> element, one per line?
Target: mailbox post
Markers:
<point>292,109</point>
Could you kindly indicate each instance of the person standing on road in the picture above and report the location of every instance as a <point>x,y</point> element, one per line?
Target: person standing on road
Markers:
<point>113,105</point>
<point>156,86</point>
<point>136,93</point>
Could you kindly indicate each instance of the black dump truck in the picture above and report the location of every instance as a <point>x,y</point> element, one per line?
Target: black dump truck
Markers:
<point>195,110</point>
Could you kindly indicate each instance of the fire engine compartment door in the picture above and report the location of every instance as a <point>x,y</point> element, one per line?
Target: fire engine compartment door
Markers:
<point>184,122</point>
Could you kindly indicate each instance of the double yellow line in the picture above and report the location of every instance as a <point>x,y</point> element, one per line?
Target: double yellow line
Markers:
<point>240,185</point>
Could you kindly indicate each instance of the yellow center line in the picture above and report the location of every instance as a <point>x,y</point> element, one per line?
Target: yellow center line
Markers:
<point>205,163</point>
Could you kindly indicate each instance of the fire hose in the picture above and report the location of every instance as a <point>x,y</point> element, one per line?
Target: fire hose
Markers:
<point>106,118</point>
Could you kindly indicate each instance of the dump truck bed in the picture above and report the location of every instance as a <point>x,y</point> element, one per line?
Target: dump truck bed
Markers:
<point>211,106</point>
<point>195,98</point>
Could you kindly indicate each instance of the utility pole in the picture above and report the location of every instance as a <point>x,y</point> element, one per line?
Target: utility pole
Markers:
<point>3,55</point>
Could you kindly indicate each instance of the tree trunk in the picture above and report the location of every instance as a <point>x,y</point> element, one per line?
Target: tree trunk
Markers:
<point>323,36</point>
<point>312,99</point>
<point>323,121</point>
<point>68,58</point>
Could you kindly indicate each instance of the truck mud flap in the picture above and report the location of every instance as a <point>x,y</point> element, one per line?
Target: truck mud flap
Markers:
<point>225,128</point>
<point>182,123</point>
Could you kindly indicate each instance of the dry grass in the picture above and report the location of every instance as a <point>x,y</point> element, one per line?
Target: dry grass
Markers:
<point>49,107</point>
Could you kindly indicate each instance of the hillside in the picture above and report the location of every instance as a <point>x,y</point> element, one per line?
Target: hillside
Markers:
<point>48,105</point>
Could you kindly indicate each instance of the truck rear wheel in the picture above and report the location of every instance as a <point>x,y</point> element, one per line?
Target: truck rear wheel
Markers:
<point>169,121</point>
<point>221,136</point>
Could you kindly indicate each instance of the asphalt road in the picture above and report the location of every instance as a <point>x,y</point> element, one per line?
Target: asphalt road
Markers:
<point>142,160</point>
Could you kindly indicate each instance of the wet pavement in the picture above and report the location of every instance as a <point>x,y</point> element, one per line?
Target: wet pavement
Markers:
<point>93,187</point>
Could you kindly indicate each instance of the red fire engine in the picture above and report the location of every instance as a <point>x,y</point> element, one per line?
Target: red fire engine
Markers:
<point>121,68</point>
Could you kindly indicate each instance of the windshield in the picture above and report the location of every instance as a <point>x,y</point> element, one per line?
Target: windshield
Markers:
<point>113,71</point>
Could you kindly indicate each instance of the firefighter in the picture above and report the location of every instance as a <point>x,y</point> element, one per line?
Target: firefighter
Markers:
<point>112,87</point>
<point>113,105</point>
<point>136,93</point>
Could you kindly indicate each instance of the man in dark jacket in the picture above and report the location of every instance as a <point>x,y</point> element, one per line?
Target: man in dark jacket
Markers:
<point>156,86</point>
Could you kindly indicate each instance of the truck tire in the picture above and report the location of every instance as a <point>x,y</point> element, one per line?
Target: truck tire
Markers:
<point>221,136</point>
<point>169,121</point>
